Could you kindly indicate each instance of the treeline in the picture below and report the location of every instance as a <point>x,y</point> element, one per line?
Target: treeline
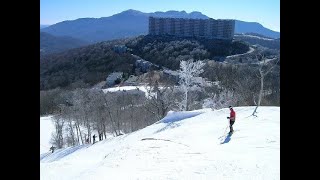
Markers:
<point>243,82</point>
<point>168,51</point>
<point>238,79</point>
<point>81,112</point>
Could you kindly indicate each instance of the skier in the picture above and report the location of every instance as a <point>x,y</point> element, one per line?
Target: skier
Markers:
<point>94,138</point>
<point>232,118</point>
<point>52,149</point>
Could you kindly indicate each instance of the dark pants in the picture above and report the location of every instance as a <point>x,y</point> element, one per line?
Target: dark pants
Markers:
<point>231,123</point>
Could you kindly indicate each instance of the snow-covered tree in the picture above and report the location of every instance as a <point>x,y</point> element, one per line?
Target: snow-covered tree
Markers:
<point>222,100</point>
<point>188,73</point>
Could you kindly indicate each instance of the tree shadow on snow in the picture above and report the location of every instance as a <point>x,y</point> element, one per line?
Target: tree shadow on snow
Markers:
<point>61,153</point>
<point>168,126</point>
<point>173,117</point>
<point>44,155</point>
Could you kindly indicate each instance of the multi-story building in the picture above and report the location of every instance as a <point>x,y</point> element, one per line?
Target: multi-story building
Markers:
<point>207,28</point>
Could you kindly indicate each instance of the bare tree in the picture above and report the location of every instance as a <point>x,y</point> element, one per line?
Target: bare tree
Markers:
<point>245,86</point>
<point>160,99</point>
<point>77,111</point>
<point>109,105</point>
<point>57,135</point>
<point>264,69</point>
<point>69,129</point>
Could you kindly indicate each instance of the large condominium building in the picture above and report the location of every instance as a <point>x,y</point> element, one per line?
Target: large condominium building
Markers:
<point>207,28</point>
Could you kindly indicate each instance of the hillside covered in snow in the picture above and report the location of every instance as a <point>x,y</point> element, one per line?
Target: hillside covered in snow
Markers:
<point>183,145</point>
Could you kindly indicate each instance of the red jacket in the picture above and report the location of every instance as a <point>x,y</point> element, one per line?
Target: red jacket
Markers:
<point>232,115</point>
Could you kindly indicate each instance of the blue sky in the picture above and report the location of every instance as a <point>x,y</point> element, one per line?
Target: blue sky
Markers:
<point>266,12</point>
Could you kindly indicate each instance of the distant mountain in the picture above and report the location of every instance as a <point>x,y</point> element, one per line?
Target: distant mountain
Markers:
<point>133,23</point>
<point>43,26</point>
<point>53,44</point>
<point>254,27</point>
<point>179,14</point>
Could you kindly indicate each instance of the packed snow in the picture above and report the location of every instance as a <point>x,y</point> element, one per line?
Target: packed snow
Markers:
<point>144,89</point>
<point>183,145</point>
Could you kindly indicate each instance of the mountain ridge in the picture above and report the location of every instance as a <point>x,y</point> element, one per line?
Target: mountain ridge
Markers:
<point>132,23</point>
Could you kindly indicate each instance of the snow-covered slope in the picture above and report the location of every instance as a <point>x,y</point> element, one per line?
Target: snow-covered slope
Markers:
<point>183,145</point>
